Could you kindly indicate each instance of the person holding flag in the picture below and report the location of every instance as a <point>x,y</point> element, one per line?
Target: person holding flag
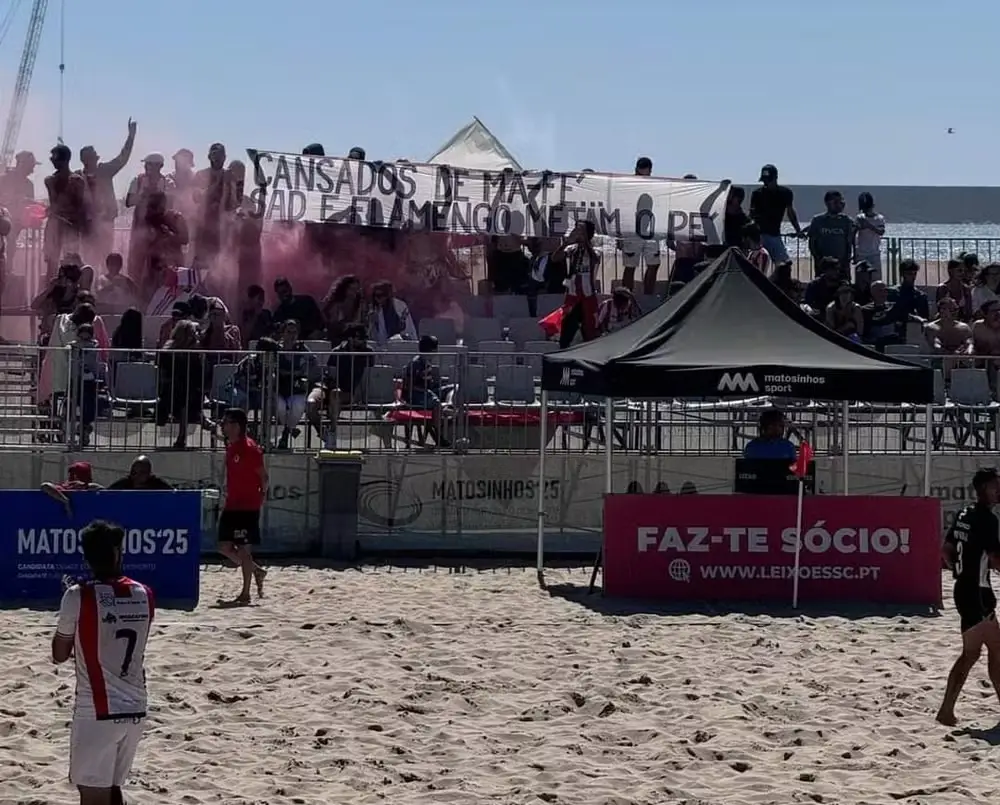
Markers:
<point>578,313</point>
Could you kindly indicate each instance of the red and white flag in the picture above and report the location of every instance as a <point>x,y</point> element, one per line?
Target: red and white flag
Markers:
<point>803,460</point>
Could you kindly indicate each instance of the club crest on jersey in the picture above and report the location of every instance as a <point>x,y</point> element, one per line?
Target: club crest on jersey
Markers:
<point>106,599</point>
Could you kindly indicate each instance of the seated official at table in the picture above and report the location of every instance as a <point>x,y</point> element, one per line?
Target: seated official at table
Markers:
<point>770,441</point>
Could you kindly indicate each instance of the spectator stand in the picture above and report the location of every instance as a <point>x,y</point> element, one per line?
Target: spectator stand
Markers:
<point>770,346</point>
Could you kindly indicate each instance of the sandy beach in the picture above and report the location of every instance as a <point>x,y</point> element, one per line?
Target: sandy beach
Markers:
<point>369,686</point>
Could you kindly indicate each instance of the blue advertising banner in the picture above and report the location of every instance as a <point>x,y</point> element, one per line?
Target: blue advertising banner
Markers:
<point>39,542</point>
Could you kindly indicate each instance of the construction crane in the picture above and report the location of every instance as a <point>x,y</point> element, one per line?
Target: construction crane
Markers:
<point>22,85</point>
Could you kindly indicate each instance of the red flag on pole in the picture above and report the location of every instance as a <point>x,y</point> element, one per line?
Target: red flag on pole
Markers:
<point>802,461</point>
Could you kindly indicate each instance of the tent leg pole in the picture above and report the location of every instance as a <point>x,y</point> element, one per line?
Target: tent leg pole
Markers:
<point>609,470</point>
<point>928,431</point>
<point>846,411</point>
<point>539,494</point>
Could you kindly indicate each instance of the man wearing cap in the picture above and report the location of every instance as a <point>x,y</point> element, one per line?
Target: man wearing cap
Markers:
<point>100,178</point>
<point>79,478</point>
<point>768,206</point>
<point>150,181</point>
<point>68,221</point>
<point>214,197</point>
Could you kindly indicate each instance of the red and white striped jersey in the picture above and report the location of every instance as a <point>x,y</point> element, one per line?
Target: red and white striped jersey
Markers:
<point>110,623</point>
<point>581,266</point>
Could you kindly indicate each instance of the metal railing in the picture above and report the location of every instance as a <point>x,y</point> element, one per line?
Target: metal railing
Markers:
<point>475,402</point>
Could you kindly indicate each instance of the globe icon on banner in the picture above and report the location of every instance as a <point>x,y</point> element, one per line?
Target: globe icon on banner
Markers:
<point>680,570</point>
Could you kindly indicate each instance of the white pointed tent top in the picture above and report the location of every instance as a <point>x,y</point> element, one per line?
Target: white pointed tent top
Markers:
<point>475,147</point>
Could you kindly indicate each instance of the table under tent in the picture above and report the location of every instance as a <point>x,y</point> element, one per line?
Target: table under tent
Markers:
<point>730,333</point>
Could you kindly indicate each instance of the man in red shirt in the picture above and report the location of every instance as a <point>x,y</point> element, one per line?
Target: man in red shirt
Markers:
<point>246,491</point>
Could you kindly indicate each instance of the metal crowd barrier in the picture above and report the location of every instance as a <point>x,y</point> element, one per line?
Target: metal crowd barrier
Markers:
<point>486,402</point>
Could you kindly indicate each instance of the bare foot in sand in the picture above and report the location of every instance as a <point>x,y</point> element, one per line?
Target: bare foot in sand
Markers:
<point>948,719</point>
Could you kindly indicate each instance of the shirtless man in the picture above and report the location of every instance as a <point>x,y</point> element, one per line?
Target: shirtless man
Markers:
<point>70,207</point>
<point>946,335</point>
<point>970,549</point>
<point>100,178</point>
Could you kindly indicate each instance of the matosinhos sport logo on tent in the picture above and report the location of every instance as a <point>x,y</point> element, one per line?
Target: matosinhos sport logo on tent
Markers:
<point>747,383</point>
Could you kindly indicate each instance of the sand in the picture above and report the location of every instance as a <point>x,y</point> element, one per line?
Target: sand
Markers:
<point>476,687</point>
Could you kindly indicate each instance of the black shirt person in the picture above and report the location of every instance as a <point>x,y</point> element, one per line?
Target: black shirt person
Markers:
<point>300,307</point>
<point>971,548</point>
<point>140,476</point>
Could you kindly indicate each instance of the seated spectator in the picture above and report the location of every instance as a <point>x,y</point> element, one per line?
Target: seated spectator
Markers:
<point>295,363</point>
<point>781,277</point>
<point>985,288</point>
<point>422,389</point>
<point>863,277</point>
<point>126,341</point>
<point>883,321</point>
<point>507,267</point>
<point>181,311</point>
<point>300,307</point>
<point>907,296</point>
<point>389,317</point>
<point>199,310</point>
<point>220,334</point>
<point>755,252</point>
<point>341,384</point>
<point>252,384</point>
<point>343,308</point>
<point>986,338</point>
<point>948,335</point>
<point>770,442</point>
<point>140,476</point>
<point>86,371</point>
<point>255,319</point>
<point>57,298</point>
<point>957,289</point>
<point>115,290</point>
<point>617,312</point>
<point>843,314</point>
<point>181,378</point>
<point>823,290</point>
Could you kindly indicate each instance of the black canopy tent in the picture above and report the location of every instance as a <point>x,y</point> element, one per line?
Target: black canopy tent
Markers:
<point>729,333</point>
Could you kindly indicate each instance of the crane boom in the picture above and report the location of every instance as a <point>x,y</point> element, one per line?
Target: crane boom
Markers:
<point>22,85</point>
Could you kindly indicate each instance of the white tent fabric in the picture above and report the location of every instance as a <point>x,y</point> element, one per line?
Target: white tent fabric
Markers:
<point>475,147</point>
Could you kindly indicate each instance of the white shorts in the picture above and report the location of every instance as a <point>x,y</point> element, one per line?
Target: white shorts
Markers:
<point>101,752</point>
<point>635,247</point>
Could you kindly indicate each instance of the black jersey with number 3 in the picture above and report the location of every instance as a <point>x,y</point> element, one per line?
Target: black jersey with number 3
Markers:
<point>975,535</point>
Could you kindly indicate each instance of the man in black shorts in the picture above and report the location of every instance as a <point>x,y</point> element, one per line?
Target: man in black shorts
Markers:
<point>971,547</point>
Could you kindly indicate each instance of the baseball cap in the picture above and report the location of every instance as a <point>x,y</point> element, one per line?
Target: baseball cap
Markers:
<point>768,172</point>
<point>25,156</point>
<point>80,471</point>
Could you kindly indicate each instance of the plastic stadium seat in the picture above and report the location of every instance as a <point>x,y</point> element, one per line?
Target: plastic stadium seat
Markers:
<point>477,306</point>
<point>902,350</point>
<point>222,373</point>
<point>549,302</point>
<point>533,351</point>
<point>915,334</point>
<point>648,302</point>
<point>970,387</point>
<point>940,395</point>
<point>525,329</point>
<point>490,354</point>
<point>398,354</point>
<point>473,390</point>
<point>379,386</point>
<point>320,347</point>
<point>514,384</point>
<point>509,306</point>
<point>477,330</point>
<point>135,383</point>
<point>442,329</point>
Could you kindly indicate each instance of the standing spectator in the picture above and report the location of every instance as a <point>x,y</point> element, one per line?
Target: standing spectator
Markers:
<point>754,249</point>
<point>985,289</point>
<point>736,219</point>
<point>181,311</point>
<point>301,307</point>
<point>17,194</point>
<point>6,227</point>
<point>970,264</point>
<point>182,184</point>
<point>617,312</point>
<point>823,290</point>
<point>213,196</point>
<point>507,266</point>
<point>768,206</point>
<point>579,311</point>
<point>150,181</point>
<point>843,314</point>
<point>342,308</point>
<point>956,288</point>
<point>86,370</point>
<point>883,320</point>
<point>295,363</point>
<point>869,229</point>
<point>246,230</point>
<point>255,319</point>
<point>160,243</point>
<point>636,249</point>
<point>126,341</point>
<point>181,374</point>
<point>100,178</point>
<point>140,476</point>
<point>907,296</point>
<point>114,289</point>
<point>67,224</point>
<point>831,234</point>
<point>389,317</point>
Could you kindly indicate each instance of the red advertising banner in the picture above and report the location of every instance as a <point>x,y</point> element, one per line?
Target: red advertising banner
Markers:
<point>742,547</point>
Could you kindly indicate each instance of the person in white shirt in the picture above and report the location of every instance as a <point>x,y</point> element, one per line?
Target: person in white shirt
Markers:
<point>104,624</point>
<point>389,316</point>
<point>869,229</point>
<point>986,289</point>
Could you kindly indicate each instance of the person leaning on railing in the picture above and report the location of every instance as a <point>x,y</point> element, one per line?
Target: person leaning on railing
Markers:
<point>79,478</point>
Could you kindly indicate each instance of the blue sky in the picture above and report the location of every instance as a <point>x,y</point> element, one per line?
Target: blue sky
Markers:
<point>862,96</point>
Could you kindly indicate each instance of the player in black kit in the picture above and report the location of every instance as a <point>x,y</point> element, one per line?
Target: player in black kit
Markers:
<point>971,547</point>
